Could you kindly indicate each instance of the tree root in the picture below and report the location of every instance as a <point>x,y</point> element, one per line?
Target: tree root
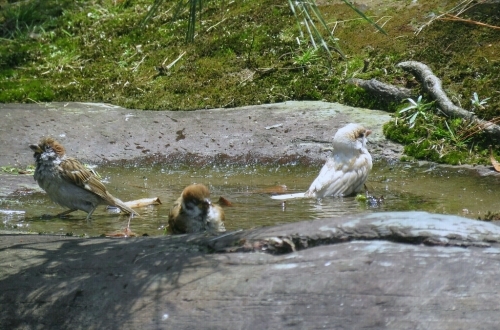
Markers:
<point>387,92</point>
<point>432,85</point>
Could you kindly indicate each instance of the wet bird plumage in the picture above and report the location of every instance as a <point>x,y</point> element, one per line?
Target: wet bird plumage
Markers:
<point>68,182</point>
<point>194,212</point>
<point>346,171</point>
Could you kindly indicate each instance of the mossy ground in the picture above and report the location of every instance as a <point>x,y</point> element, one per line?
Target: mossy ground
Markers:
<point>244,53</point>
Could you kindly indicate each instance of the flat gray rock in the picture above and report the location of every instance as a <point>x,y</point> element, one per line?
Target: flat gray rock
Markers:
<point>405,227</point>
<point>282,132</point>
<point>373,277</point>
<point>398,270</point>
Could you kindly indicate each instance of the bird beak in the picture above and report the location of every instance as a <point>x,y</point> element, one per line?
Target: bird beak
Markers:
<point>36,148</point>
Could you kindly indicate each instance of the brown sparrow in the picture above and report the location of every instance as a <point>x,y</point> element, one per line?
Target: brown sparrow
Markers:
<point>194,212</point>
<point>68,182</point>
<point>346,171</point>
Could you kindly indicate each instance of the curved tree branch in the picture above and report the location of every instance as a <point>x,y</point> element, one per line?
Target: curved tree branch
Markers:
<point>432,85</point>
<point>387,92</point>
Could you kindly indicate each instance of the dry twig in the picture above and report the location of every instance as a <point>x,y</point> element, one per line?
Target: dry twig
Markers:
<point>432,85</point>
<point>449,17</point>
<point>455,12</point>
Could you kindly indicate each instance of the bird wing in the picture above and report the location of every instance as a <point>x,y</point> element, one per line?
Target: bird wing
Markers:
<point>338,178</point>
<point>75,172</point>
<point>176,217</point>
<point>329,180</point>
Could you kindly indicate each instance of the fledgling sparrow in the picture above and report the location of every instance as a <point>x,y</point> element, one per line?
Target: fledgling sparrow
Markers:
<point>68,182</point>
<point>346,171</point>
<point>194,212</point>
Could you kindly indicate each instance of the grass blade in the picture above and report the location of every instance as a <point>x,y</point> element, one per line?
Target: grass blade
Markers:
<point>364,16</point>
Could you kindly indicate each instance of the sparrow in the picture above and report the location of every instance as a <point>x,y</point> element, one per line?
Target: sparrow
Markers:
<point>345,172</point>
<point>68,182</point>
<point>194,212</point>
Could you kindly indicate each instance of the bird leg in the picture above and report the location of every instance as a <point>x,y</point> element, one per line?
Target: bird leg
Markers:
<point>129,218</point>
<point>90,214</point>
<point>128,232</point>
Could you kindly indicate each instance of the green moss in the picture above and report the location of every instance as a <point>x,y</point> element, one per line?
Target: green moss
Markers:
<point>26,91</point>
<point>490,216</point>
<point>442,140</point>
<point>358,97</point>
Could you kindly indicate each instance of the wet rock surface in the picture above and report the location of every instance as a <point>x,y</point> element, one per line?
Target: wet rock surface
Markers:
<point>275,133</point>
<point>381,270</point>
<point>355,277</point>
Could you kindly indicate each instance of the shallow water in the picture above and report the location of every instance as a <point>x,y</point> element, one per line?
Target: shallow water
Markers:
<point>404,187</point>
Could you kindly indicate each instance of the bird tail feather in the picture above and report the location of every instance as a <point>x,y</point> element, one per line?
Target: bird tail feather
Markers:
<point>124,208</point>
<point>289,196</point>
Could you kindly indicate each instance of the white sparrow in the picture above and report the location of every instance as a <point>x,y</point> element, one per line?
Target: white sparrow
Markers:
<point>194,212</point>
<point>68,182</point>
<point>346,171</point>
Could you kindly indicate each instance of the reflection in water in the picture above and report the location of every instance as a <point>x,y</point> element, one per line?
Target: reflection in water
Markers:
<point>404,187</point>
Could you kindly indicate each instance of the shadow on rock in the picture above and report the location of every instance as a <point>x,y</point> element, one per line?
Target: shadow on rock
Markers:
<point>325,273</point>
<point>62,284</point>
